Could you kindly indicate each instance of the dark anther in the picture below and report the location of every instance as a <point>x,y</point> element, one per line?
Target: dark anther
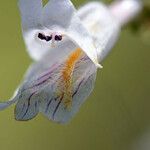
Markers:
<point>41,36</point>
<point>48,38</point>
<point>58,37</point>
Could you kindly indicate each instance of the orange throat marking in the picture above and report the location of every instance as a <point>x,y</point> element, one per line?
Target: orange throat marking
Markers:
<point>67,72</point>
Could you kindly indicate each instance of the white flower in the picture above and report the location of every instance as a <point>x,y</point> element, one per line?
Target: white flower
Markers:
<point>63,75</point>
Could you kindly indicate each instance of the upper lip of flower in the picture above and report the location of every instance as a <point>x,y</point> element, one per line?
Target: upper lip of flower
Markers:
<point>65,20</point>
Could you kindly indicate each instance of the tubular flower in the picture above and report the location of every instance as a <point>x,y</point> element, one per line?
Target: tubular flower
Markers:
<point>66,46</point>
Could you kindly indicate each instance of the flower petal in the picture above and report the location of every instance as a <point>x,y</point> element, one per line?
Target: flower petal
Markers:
<point>55,108</point>
<point>31,11</point>
<point>33,90</point>
<point>4,105</point>
<point>80,36</point>
<point>69,88</point>
<point>124,11</point>
<point>57,90</point>
<point>103,26</point>
<point>27,106</point>
<point>94,12</point>
<point>67,22</point>
<point>13,100</point>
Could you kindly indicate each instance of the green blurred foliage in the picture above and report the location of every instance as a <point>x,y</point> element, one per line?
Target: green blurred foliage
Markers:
<point>142,21</point>
<point>141,25</point>
<point>115,114</point>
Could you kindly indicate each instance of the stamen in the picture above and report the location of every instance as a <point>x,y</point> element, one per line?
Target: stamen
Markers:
<point>43,37</point>
<point>58,37</point>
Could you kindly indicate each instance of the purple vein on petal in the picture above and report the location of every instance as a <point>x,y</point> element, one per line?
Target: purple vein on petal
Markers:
<point>43,79</point>
<point>40,83</point>
<point>85,58</point>
<point>48,72</point>
<point>48,104</point>
<point>78,87</point>
<point>36,104</point>
<point>29,101</point>
<point>61,98</point>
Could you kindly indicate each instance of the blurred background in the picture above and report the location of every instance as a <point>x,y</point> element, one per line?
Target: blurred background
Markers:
<point>115,117</point>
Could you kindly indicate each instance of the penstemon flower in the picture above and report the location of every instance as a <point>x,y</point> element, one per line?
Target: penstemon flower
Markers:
<point>66,46</point>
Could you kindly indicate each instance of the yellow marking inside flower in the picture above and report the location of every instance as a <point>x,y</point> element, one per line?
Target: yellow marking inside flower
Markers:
<point>70,63</point>
<point>67,73</point>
